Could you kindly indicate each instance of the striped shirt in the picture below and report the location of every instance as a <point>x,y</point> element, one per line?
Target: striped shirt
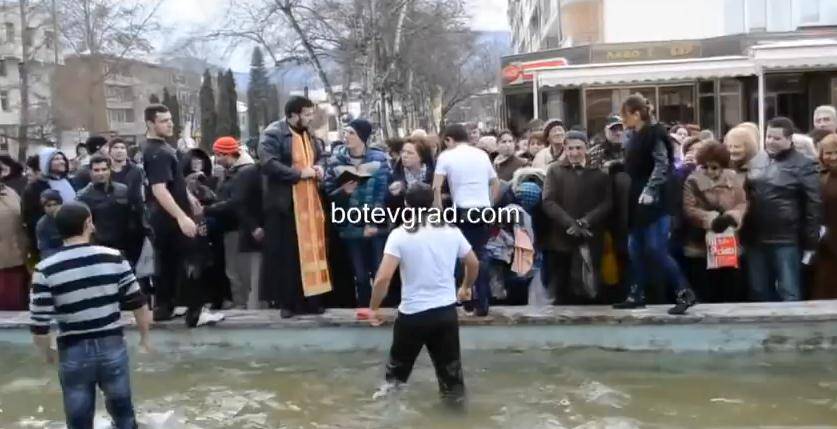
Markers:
<point>83,288</point>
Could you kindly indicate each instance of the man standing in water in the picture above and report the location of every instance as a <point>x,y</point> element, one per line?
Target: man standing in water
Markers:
<point>426,255</point>
<point>83,287</point>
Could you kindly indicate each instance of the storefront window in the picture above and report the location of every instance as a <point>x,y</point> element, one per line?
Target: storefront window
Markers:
<point>785,95</point>
<point>833,91</point>
<point>603,102</point>
<point>706,103</point>
<point>730,96</point>
<point>677,104</point>
<point>564,104</point>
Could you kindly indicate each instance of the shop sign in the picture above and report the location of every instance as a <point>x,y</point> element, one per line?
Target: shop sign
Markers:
<point>645,52</point>
<point>520,72</point>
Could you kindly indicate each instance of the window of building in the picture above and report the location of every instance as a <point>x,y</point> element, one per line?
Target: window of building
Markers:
<point>4,101</point>
<point>779,15</point>
<point>834,91</point>
<point>734,16</point>
<point>2,67</point>
<point>28,36</point>
<point>10,32</point>
<point>809,12</point>
<point>785,95</point>
<point>49,39</point>
<point>121,116</point>
<point>603,102</point>
<point>119,93</point>
<point>706,105</point>
<point>677,104</point>
<point>731,108</point>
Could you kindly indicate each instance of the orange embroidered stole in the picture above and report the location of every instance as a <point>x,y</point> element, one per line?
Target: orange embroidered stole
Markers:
<point>310,222</point>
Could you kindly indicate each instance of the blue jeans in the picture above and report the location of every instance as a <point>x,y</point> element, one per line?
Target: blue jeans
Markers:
<point>84,365</point>
<point>775,272</point>
<point>648,249</point>
<point>365,254</point>
<point>477,235</point>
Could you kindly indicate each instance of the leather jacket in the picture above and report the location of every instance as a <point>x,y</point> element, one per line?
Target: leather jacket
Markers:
<point>785,205</point>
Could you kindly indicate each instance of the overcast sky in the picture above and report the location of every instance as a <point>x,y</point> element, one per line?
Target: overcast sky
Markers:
<point>486,15</point>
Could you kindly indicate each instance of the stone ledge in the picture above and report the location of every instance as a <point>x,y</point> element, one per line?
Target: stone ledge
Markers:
<point>702,314</point>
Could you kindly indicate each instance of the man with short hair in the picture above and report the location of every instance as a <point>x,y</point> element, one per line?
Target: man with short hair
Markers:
<point>116,217</point>
<point>296,272</point>
<point>474,187</point>
<point>83,287</point>
<point>239,205</point>
<point>170,214</point>
<point>825,118</point>
<point>124,171</point>
<point>96,145</point>
<point>781,227</point>
<point>426,255</point>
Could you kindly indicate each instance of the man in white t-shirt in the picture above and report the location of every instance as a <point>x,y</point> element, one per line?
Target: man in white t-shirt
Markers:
<point>426,256</point>
<point>473,187</point>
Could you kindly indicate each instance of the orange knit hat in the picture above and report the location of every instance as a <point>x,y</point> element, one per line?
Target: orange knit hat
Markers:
<point>225,146</point>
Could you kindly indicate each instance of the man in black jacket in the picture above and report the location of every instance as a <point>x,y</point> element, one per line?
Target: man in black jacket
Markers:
<point>577,200</point>
<point>116,216</point>
<point>124,171</point>
<point>781,229</point>
<point>239,206</point>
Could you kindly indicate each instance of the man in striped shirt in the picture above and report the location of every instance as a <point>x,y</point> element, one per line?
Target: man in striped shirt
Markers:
<point>83,287</point>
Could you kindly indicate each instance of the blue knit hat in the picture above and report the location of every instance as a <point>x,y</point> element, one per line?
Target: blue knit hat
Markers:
<point>363,129</point>
<point>528,195</point>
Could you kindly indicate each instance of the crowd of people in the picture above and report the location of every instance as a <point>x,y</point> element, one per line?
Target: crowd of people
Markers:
<point>641,212</point>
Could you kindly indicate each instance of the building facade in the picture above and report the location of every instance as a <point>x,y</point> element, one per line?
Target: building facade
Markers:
<point>42,57</point>
<point>106,95</point>
<point>711,62</point>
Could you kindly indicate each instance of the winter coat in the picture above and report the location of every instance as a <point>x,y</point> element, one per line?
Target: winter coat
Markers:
<point>571,194</point>
<point>398,175</point>
<point>825,287</point>
<point>131,176</point>
<point>506,169</point>
<point>705,199</point>
<point>49,239</point>
<point>371,193</point>
<point>785,205</point>
<point>649,161</point>
<point>603,151</point>
<point>240,200</point>
<point>276,165</point>
<point>13,242</point>
<point>116,217</point>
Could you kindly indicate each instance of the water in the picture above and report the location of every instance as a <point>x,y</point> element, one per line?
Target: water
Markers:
<point>214,388</point>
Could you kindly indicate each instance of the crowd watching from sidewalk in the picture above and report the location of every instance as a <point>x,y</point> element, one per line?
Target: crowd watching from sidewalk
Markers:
<point>637,212</point>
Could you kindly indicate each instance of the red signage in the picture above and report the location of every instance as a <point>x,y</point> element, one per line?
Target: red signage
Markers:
<point>520,72</point>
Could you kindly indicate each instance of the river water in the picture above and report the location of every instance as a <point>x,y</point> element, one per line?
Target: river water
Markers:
<point>214,388</point>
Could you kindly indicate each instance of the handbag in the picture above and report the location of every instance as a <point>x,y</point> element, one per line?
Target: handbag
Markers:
<point>721,250</point>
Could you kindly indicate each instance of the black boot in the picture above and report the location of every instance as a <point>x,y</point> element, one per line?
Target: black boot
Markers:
<point>685,299</point>
<point>163,312</point>
<point>634,300</point>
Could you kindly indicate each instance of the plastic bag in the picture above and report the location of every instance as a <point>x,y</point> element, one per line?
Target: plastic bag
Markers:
<point>721,250</point>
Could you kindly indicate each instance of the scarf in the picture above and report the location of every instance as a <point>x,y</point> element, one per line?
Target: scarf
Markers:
<point>411,178</point>
<point>310,222</point>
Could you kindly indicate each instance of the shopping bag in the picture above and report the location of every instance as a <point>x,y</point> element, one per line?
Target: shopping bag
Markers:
<point>721,250</point>
<point>145,264</point>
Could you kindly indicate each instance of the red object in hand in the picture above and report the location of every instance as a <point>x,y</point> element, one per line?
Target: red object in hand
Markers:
<point>364,314</point>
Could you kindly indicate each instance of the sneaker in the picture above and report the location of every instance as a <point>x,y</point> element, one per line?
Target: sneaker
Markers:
<point>179,312</point>
<point>685,299</point>
<point>208,318</point>
<point>629,304</point>
<point>386,389</point>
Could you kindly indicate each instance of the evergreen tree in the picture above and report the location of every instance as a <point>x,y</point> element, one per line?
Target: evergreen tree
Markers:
<point>273,104</point>
<point>173,104</point>
<point>208,117</point>
<point>257,94</point>
<point>223,126</point>
<point>154,99</point>
<point>232,97</point>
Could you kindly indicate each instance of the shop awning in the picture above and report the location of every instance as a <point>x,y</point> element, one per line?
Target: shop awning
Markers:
<point>647,71</point>
<point>796,54</point>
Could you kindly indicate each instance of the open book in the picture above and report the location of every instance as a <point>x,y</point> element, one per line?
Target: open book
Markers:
<point>351,173</point>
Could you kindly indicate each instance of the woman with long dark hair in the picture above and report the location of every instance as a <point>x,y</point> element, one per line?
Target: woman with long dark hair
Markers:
<point>649,161</point>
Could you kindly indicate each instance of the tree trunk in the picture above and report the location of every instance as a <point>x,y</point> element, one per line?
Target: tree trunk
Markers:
<point>287,9</point>
<point>23,67</point>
